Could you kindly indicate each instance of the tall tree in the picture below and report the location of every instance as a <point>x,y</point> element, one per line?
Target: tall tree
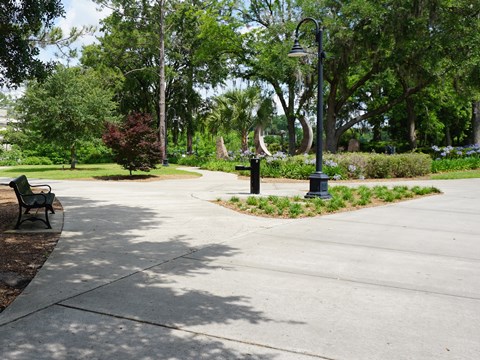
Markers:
<point>200,40</point>
<point>69,106</point>
<point>134,44</point>
<point>20,23</point>
<point>418,41</point>
<point>196,40</point>
<point>410,44</point>
<point>266,42</point>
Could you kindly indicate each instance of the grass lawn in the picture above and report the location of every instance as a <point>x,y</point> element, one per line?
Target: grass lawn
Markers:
<point>454,175</point>
<point>94,171</point>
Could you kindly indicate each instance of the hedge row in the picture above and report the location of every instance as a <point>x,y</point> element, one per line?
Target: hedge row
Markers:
<point>337,166</point>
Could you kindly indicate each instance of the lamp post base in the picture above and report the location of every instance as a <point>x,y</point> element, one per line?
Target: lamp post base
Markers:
<point>318,186</point>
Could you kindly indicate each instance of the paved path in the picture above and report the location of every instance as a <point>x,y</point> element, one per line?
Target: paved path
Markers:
<point>154,270</point>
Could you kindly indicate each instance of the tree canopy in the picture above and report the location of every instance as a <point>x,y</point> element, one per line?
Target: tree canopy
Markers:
<point>69,106</point>
<point>405,68</point>
<point>22,26</point>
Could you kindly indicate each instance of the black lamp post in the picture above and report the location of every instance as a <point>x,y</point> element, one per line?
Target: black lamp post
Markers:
<point>318,180</point>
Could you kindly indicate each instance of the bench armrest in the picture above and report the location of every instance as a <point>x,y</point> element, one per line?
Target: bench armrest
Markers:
<point>45,185</point>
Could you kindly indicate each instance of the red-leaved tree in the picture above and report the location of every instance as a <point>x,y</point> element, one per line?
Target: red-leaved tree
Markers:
<point>134,143</point>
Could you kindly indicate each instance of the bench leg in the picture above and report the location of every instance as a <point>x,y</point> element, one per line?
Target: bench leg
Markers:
<point>17,225</point>
<point>35,218</point>
<point>47,222</point>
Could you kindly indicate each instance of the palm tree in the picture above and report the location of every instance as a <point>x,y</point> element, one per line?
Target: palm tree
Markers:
<point>241,110</point>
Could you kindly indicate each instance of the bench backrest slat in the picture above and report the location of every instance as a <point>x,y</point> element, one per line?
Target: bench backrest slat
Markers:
<point>21,186</point>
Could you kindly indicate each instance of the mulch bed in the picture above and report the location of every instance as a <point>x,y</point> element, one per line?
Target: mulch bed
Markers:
<point>22,255</point>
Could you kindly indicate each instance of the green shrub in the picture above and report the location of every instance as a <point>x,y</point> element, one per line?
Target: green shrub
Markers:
<point>37,160</point>
<point>192,160</point>
<point>379,166</point>
<point>94,153</point>
<point>411,165</point>
<point>441,165</point>
<point>336,166</point>
<point>10,158</point>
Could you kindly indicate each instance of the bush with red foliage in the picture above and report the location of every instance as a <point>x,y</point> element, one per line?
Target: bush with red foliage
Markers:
<point>134,143</point>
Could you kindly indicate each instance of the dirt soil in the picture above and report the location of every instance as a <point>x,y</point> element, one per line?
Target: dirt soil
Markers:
<point>21,255</point>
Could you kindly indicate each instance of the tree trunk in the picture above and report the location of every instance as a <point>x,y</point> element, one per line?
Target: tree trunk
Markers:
<point>448,136</point>
<point>244,141</point>
<point>411,117</point>
<point>161,74</point>
<point>330,131</point>
<point>291,135</point>
<point>476,122</point>
<point>73,157</point>
<point>189,141</point>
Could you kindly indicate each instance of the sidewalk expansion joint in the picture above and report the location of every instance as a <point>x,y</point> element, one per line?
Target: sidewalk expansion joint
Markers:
<point>401,226</point>
<point>176,328</point>
<point>378,248</point>
<point>428,292</point>
<point>59,302</point>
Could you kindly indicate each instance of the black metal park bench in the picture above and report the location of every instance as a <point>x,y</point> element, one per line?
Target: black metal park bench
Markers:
<point>28,200</point>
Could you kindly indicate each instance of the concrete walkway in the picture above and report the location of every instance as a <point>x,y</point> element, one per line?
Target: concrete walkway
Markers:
<point>153,270</point>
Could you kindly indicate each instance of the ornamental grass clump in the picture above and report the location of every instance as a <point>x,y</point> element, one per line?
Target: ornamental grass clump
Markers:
<point>343,198</point>
<point>364,195</point>
<point>295,209</point>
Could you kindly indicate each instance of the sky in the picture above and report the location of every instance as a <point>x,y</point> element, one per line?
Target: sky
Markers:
<point>77,14</point>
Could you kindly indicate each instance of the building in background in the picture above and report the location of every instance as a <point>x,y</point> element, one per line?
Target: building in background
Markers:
<point>4,120</point>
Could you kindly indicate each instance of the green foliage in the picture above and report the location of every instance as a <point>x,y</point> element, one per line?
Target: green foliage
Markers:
<point>21,22</point>
<point>252,200</point>
<point>382,55</point>
<point>442,165</point>
<point>11,158</point>
<point>342,198</point>
<point>134,143</point>
<point>35,160</point>
<point>467,174</point>
<point>337,166</point>
<point>94,152</point>
<point>402,165</point>
<point>240,110</point>
<point>71,106</point>
<point>295,209</point>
